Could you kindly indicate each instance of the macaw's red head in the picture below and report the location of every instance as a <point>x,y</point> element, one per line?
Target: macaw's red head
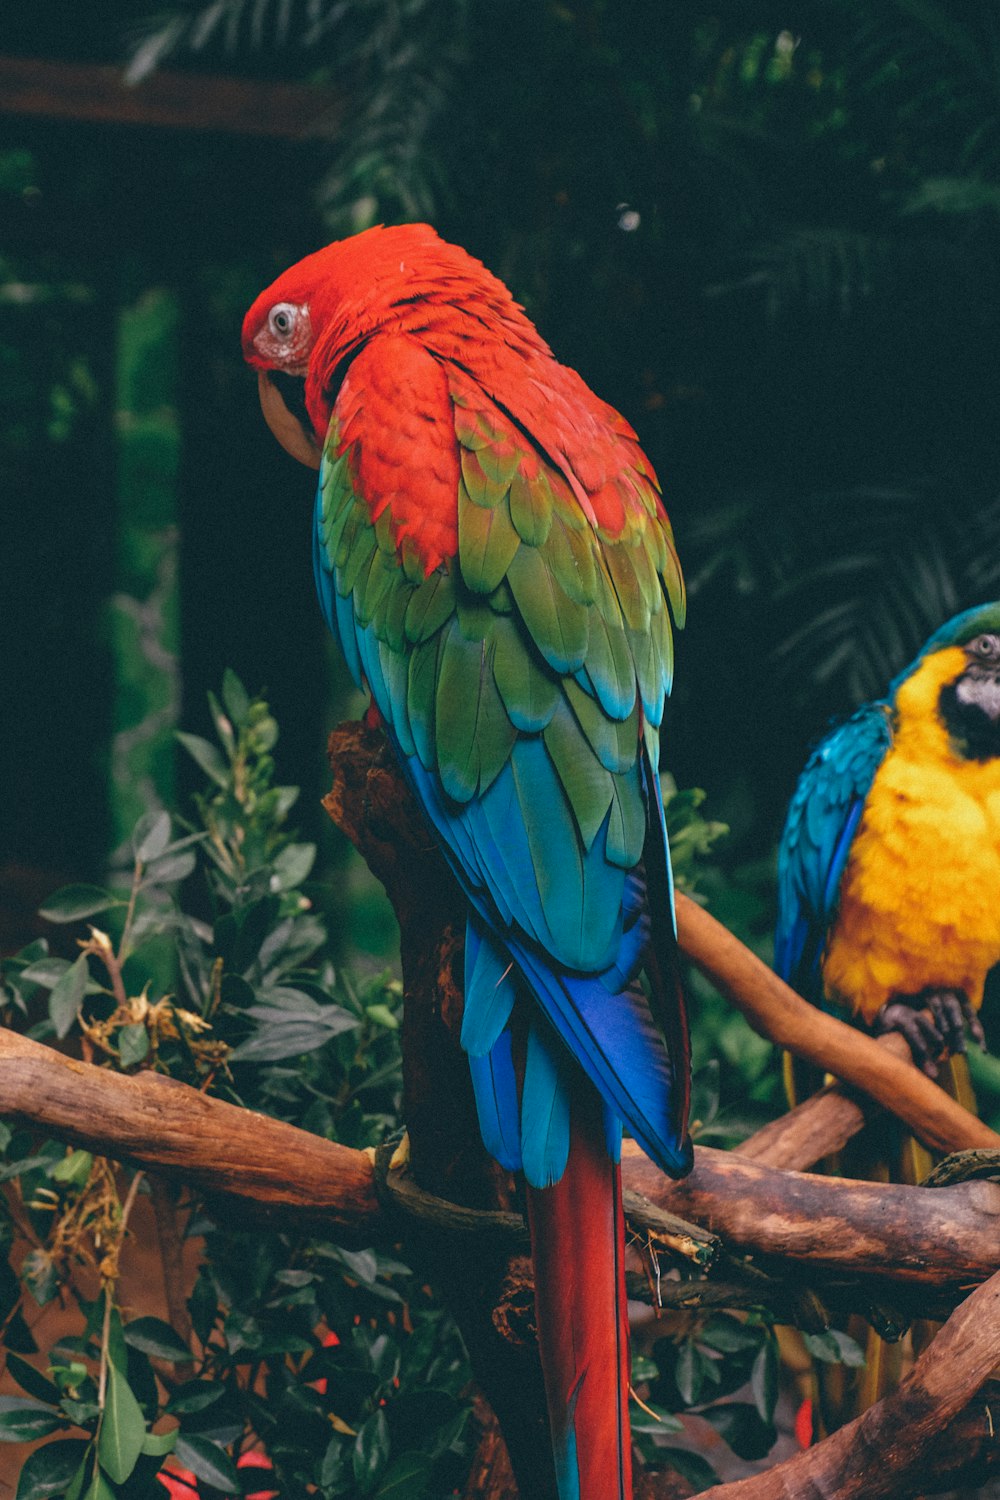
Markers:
<point>301,333</point>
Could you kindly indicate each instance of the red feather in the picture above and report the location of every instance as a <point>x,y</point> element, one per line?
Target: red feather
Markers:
<point>577,1248</point>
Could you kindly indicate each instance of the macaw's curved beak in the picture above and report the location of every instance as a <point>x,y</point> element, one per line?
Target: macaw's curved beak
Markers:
<point>293,435</point>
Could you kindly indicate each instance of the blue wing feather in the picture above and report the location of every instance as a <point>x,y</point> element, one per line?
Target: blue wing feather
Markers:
<point>822,820</point>
<point>494,1084</point>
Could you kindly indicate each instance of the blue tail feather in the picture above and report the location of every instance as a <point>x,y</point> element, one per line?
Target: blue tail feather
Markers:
<point>495,1086</point>
<point>544,1111</point>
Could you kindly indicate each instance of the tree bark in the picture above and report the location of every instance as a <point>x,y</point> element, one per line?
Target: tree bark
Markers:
<point>821,1125</point>
<point>834,1225</point>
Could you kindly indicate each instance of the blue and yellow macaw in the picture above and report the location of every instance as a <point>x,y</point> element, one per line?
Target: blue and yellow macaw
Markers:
<point>888,875</point>
<point>889,866</point>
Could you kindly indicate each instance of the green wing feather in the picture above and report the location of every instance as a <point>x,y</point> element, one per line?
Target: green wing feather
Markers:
<point>538,627</point>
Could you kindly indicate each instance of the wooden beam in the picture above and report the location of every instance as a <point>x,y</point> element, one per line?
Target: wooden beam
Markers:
<point>45,88</point>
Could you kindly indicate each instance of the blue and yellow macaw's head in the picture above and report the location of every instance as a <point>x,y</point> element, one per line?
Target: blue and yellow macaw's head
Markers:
<point>956,678</point>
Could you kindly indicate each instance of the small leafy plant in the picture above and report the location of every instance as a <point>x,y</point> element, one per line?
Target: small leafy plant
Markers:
<point>206,961</point>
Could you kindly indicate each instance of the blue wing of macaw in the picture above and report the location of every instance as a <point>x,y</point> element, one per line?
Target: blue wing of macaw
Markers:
<point>822,820</point>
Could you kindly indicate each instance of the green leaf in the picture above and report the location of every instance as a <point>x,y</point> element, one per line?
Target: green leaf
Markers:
<point>361,1263</point>
<point>170,868</point>
<point>76,901</point>
<point>741,1426</point>
<point>332,1467</point>
<point>194,1396</point>
<point>382,1016</point>
<point>203,1305</point>
<point>643,1368</point>
<point>44,971</point>
<point>764,1380</point>
<point>691,1465</point>
<point>49,1470</point>
<point>285,1039</point>
<point>406,1478</point>
<point>834,1348</point>
<point>204,753</point>
<point>688,1372</point>
<point>159,1444</point>
<point>100,1489</point>
<point>655,1420</point>
<point>117,1352</point>
<point>151,836</point>
<point>123,1428</point>
<point>38,1273</point>
<point>371,1451</point>
<point>208,1461</point>
<point>26,1164</point>
<point>153,1336</point>
<point>728,1334</point>
<point>23,1420</point>
<point>235,697</point>
<point>133,1044</point>
<point>73,1169</point>
<point>291,866</point>
<point>31,1380</point>
<point>67,996</point>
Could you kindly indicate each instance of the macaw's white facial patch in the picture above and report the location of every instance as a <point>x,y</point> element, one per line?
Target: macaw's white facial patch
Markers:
<point>980,690</point>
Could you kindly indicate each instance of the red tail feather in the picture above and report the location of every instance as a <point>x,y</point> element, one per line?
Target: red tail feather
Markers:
<point>577,1240</point>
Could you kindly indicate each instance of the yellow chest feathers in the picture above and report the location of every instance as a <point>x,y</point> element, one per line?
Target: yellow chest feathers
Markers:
<point>920,897</point>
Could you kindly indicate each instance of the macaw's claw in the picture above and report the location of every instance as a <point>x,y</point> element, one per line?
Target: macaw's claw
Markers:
<point>932,1022</point>
<point>401,1156</point>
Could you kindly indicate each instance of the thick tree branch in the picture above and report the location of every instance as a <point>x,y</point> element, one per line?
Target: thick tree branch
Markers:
<point>158,1123</point>
<point>832,1224</point>
<point>943,1237</point>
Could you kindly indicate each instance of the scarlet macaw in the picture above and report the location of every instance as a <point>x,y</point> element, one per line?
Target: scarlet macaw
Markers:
<point>492,553</point>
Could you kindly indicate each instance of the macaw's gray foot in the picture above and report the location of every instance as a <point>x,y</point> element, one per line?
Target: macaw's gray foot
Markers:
<point>932,1022</point>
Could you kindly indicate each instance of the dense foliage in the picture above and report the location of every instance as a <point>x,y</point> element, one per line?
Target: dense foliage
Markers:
<point>339,1362</point>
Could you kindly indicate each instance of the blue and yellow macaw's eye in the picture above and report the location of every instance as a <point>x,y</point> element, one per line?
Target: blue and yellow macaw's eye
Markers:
<point>984,648</point>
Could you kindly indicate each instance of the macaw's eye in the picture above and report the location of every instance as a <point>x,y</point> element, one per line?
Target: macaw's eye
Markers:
<point>281,319</point>
<point>986,646</point>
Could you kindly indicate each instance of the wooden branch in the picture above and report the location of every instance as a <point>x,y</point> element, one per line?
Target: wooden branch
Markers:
<point>903,1234</point>
<point>158,1123</point>
<point>167,100</point>
<point>820,1125</point>
<point>893,1448</point>
<point>777,1012</point>
<point>943,1237</point>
